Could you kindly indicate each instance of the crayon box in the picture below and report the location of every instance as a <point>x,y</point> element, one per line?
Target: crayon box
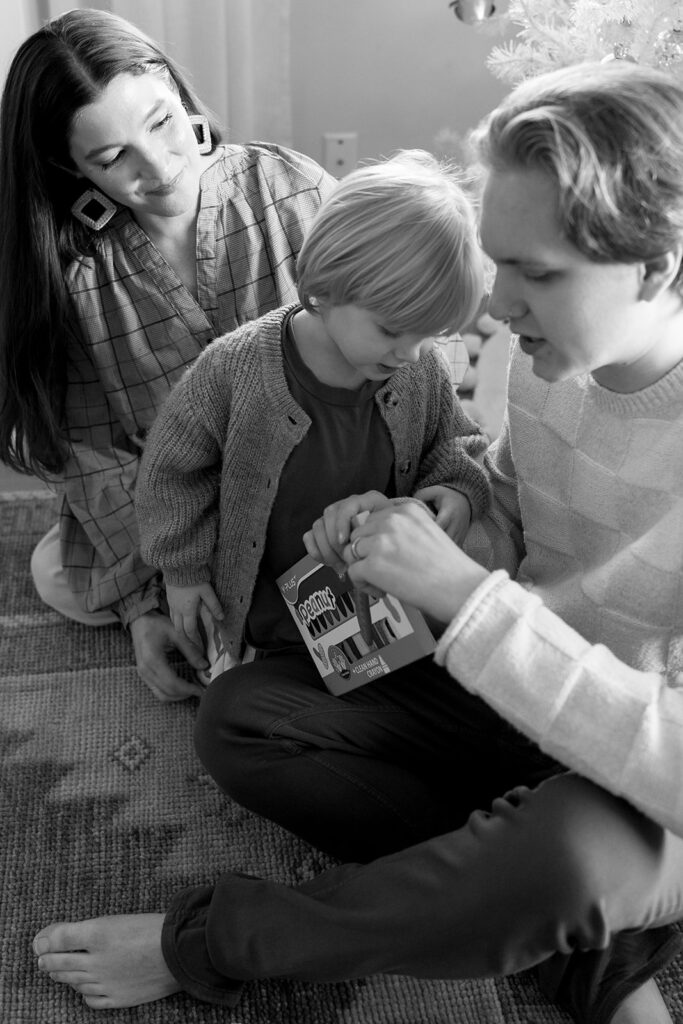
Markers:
<point>323,606</point>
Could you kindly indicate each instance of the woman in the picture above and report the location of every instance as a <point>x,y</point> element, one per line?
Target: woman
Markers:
<point>570,659</point>
<point>129,239</point>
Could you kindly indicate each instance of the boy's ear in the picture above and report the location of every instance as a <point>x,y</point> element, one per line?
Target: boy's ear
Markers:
<point>660,272</point>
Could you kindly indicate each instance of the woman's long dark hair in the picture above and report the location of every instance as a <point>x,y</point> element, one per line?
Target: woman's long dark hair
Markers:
<point>56,71</point>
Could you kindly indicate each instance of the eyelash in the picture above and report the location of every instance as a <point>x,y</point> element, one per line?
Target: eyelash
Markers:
<point>159,124</point>
<point>543,276</point>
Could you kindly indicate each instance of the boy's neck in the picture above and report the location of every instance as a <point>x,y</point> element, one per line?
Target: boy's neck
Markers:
<point>319,353</point>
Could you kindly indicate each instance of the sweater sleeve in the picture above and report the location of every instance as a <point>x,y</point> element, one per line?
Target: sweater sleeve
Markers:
<point>496,540</point>
<point>177,494</point>
<point>617,726</point>
<point>454,443</point>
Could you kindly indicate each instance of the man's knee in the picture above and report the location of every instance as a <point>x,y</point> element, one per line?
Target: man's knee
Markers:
<point>594,849</point>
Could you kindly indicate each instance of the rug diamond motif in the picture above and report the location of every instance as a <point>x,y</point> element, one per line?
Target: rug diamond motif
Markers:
<point>132,753</point>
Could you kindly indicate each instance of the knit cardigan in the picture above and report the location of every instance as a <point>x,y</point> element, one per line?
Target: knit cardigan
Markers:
<point>583,651</point>
<point>212,461</point>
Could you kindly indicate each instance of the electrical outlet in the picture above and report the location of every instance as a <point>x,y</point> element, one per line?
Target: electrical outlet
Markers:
<point>340,152</point>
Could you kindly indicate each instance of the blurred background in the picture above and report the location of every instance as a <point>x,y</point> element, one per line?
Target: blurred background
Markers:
<point>392,73</point>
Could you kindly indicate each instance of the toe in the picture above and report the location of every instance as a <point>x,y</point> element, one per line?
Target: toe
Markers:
<point>62,962</point>
<point>100,1002</point>
<point>59,937</point>
<point>73,978</point>
<point>91,989</point>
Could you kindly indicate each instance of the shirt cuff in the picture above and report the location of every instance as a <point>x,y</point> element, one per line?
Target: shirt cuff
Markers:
<point>149,598</point>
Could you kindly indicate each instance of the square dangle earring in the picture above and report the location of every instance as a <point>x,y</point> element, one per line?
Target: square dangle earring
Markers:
<point>202,132</point>
<point>93,209</point>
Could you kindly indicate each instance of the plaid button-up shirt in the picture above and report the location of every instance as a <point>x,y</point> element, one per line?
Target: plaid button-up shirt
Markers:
<point>140,328</point>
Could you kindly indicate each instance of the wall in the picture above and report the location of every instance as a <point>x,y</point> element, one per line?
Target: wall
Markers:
<point>236,52</point>
<point>395,71</point>
<point>15,25</point>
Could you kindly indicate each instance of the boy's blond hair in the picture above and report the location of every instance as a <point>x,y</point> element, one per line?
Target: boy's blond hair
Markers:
<point>398,239</point>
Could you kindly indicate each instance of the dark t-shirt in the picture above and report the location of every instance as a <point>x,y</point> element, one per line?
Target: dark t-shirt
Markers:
<point>347,450</point>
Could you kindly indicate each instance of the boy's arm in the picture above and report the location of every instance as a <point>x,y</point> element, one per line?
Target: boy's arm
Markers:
<point>179,480</point>
<point>496,540</point>
<point>453,445</point>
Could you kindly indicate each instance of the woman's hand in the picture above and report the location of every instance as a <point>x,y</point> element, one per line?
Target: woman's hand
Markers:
<point>329,535</point>
<point>154,637</point>
<point>453,510</point>
<point>402,551</point>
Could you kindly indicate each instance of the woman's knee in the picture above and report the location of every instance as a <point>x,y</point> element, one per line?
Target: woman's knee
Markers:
<point>49,579</point>
<point>46,567</point>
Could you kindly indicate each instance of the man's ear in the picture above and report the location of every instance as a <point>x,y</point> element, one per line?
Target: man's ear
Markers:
<point>660,272</point>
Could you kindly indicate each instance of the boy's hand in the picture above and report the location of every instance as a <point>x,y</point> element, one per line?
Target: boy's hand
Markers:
<point>453,510</point>
<point>184,604</point>
<point>326,539</point>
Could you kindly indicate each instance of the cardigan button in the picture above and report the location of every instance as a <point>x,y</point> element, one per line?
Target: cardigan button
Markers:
<point>405,467</point>
<point>391,399</point>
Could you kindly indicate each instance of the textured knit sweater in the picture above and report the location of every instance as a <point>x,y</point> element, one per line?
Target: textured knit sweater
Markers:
<point>584,651</point>
<point>212,462</point>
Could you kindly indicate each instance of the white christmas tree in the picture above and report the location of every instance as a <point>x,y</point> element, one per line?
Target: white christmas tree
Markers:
<point>555,33</point>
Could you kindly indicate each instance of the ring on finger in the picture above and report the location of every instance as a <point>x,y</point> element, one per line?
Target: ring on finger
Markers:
<point>354,550</point>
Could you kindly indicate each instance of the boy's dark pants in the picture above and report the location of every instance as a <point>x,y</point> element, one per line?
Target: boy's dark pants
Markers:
<point>483,857</point>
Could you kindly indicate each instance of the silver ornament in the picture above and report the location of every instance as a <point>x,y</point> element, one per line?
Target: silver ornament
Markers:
<point>470,12</point>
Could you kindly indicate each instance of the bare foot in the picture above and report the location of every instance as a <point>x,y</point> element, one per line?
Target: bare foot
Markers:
<point>645,1004</point>
<point>112,961</point>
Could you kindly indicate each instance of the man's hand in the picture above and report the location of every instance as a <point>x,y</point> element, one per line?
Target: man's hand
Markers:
<point>154,636</point>
<point>400,550</point>
<point>329,535</point>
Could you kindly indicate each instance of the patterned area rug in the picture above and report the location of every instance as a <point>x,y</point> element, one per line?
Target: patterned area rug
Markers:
<point>105,809</point>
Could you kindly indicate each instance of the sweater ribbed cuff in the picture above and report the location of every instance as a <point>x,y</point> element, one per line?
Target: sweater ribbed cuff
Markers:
<point>187,576</point>
<point>491,583</point>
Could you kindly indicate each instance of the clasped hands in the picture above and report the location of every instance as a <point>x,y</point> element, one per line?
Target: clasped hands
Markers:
<point>399,549</point>
<point>326,542</point>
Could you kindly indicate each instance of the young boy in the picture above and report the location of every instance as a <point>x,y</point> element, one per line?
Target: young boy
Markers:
<point>338,394</point>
